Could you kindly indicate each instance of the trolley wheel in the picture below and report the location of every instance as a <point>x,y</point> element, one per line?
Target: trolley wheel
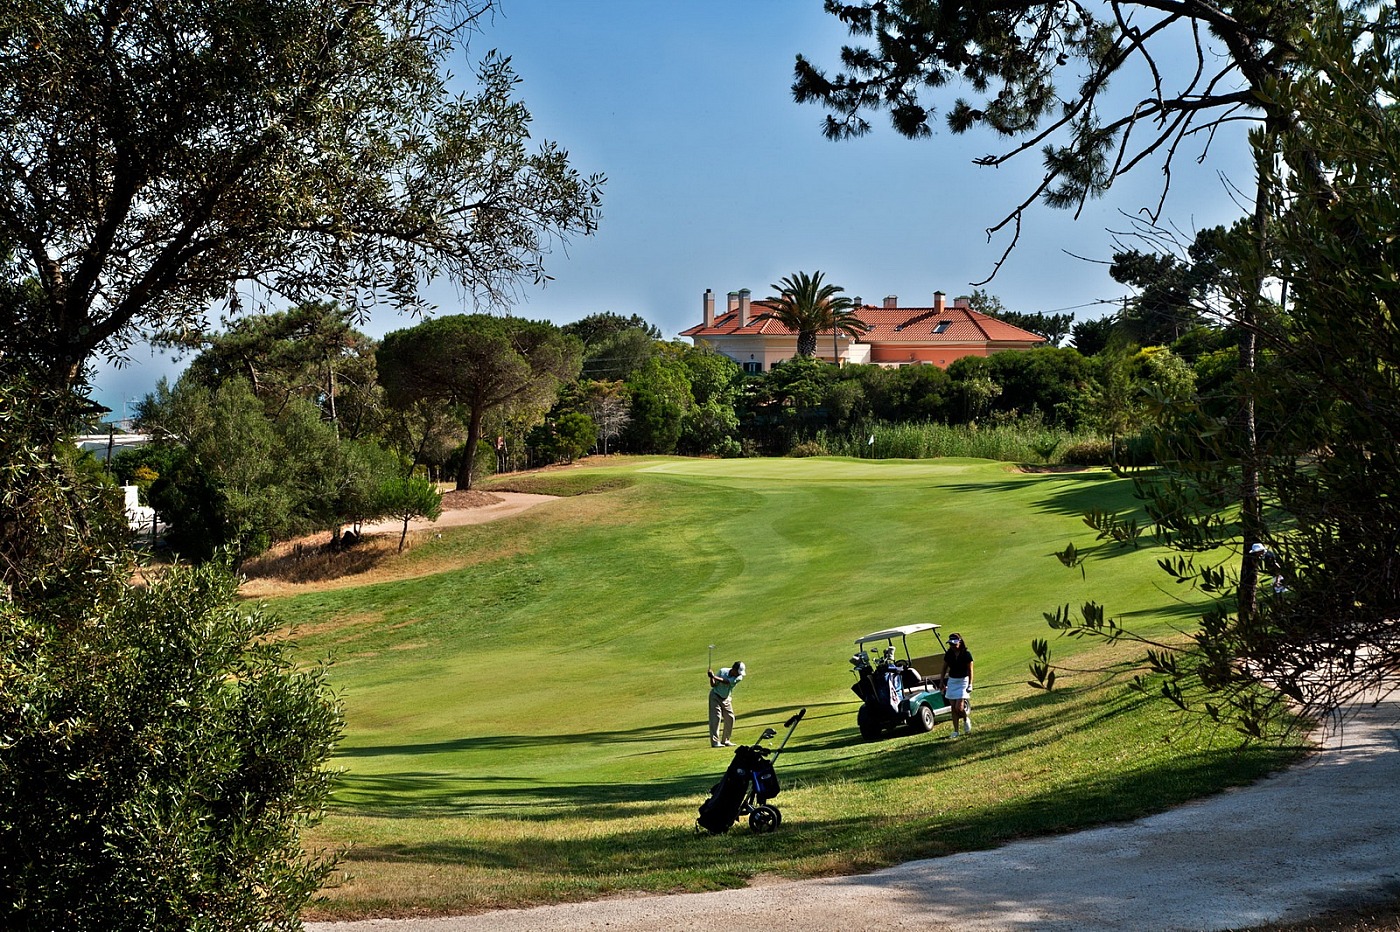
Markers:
<point>764,819</point>
<point>923,722</point>
<point>868,721</point>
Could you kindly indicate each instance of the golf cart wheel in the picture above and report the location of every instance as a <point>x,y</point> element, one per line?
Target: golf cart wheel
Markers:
<point>868,721</point>
<point>764,819</point>
<point>923,722</point>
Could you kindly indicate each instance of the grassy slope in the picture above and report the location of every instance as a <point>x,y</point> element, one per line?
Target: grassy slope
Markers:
<point>527,724</point>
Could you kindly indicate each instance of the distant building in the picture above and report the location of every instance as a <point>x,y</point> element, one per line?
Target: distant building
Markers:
<point>104,446</point>
<point>899,336</point>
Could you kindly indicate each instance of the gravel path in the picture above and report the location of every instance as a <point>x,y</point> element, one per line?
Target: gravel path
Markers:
<point>1321,835</point>
<point>490,506</point>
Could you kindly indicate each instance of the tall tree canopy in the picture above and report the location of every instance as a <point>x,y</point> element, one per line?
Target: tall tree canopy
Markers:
<point>1203,63</point>
<point>1321,632</point>
<point>1172,291</point>
<point>1318,77</point>
<point>596,328</point>
<point>477,363</point>
<point>614,346</point>
<point>156,157</point>
<point>1053,327</point>
<point>310,351</point>
<point>1330,401</point>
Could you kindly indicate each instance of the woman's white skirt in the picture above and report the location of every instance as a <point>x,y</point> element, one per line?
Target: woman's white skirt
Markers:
<point>957,688</point>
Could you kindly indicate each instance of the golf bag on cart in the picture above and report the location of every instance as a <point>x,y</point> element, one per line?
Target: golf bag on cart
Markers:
<point>746,787</point>
<point>881,685</point>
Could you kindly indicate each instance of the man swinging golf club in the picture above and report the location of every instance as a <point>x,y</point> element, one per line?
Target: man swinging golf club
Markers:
<point>721,708</point>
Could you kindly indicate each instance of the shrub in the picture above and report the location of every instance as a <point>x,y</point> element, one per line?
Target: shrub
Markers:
<point>574,435</point>
<point>160,755</point>
<point>808,448</point>
<point>1137,451</point>
<point>729,448</point>
<point>1088,453</point>
<point>408,497</point>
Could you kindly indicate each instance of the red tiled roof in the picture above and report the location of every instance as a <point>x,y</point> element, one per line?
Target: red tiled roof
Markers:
<point>888,325</point>
<point>727,324</point>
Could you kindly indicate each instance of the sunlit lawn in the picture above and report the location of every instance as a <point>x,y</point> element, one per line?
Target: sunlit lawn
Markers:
<point>526,721</point>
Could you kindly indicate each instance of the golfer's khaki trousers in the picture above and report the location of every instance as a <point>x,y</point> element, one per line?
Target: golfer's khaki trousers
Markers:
<point>721,712</point>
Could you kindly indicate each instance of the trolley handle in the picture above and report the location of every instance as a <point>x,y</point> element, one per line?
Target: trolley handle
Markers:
<point>790,724</point>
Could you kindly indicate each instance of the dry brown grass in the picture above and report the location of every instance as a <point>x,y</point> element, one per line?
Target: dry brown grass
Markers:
<point>310,563</point>
<point>313,560</point>
<point>375,559</point>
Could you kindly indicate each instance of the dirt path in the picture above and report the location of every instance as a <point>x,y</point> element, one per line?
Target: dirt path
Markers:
<point>1322,835</point>
<point>506,504</point>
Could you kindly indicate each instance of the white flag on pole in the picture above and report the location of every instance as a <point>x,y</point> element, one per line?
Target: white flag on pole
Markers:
<point>872,441</point>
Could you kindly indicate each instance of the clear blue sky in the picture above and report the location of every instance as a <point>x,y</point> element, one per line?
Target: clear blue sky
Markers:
<point>716,179</point>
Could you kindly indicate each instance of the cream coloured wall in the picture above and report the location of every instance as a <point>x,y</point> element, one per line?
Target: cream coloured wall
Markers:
<point>765,351</point>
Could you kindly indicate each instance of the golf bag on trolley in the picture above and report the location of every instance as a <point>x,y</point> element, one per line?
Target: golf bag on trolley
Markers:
<point>746,787</point>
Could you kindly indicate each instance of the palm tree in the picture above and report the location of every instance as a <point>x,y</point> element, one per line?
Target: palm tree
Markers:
<point>805,306</point>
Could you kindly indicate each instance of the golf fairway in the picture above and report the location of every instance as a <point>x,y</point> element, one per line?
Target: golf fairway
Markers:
<point>526,715</point>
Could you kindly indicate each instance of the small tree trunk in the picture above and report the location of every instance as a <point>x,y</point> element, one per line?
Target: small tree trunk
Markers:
<point>1251,514</point>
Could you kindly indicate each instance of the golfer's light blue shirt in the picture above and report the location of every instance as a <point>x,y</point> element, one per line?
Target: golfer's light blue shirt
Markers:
<point>726,684</point>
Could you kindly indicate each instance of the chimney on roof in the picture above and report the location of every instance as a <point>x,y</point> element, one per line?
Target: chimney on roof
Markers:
<point>964,303</point>
<point>743,307</point>
<point>938,297</point>
<point>891,300</point>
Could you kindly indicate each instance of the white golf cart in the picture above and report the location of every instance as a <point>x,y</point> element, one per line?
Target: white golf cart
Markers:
<point>899,688</point>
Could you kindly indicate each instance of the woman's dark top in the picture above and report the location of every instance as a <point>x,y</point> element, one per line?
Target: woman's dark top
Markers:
<point>958,663</point>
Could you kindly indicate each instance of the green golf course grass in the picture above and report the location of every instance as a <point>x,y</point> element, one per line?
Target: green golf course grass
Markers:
<point>526,707</point>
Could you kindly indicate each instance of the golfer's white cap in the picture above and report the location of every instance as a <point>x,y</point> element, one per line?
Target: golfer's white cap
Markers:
<point>1256,548</point>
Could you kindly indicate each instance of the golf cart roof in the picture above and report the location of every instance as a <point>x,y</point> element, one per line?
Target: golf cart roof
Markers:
<point>889,634</point>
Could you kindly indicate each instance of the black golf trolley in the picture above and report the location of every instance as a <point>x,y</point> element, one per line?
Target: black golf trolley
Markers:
<point>746,787</point>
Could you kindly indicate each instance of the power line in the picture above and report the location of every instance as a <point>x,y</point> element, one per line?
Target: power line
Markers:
<point>1077,307</point>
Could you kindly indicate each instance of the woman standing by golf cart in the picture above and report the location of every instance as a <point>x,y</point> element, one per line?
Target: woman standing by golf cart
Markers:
<point>957,687</point>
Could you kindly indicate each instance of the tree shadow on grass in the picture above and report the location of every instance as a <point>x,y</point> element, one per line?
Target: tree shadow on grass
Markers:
<point>701,861</point>
<point>831,759</point>
<point>1075,495</point>
<point>420,793</point>
<point>1070,494</point>
<point>755,720</point>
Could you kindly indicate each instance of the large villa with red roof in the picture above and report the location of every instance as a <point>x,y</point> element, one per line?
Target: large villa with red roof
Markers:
<point>898,336</point>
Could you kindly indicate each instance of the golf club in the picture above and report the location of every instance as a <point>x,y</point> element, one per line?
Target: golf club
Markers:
<point>710,664</point>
